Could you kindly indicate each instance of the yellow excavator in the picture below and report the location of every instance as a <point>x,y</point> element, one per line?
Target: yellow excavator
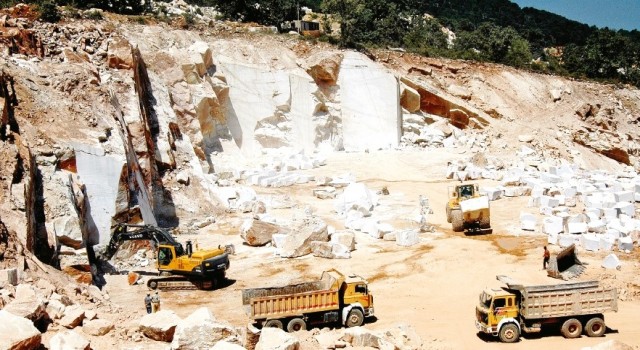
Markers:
<point>179,268</point>
<point>468,210</point>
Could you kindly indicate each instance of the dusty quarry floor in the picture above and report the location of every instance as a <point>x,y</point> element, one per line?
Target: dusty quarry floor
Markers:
<point>433,286</point>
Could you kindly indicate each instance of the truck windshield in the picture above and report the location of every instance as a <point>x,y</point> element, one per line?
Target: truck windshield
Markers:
<point>485,299</point>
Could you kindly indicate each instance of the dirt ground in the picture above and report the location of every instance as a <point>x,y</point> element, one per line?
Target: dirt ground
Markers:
<point>432,286</point>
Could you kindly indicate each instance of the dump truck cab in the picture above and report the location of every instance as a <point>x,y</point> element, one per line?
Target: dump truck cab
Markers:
<point>355,294</point>
<point>495,308</point>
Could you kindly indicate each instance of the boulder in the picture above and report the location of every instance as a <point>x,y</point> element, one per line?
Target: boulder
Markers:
<point>330,250</point>
<point>55,309</point>
<point>324,69</point>
<point>277,339</point>
<point>159,325</point>
<point>73,316</point>
<point>354,197</point>
<point>346,238</point>
<point>258,233</point>
<point>69,340</point>
<point>407,238</point>
<point>611,261</point>
<point>67,229</point>
<point>298,242</point>
<point>404,337</point>
<point>8,276</point>
<point>409,98</point>
<point>119,54</point>
<point>97,327</point>
<point>18,332</point>
<point>201,330</point>
<point>26,304</point>
<point>359,336</point>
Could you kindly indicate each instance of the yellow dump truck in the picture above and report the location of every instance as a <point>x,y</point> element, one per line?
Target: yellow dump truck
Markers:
<point>332,299</point>
<point>574,307</point>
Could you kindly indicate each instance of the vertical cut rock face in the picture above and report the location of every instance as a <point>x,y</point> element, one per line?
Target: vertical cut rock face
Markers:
<point>369,95</point>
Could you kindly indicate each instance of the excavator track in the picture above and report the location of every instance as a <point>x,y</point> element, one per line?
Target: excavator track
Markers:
<point>178,283</point>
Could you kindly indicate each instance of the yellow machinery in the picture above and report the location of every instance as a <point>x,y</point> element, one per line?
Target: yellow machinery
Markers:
<point>468,210</point>
<point>334,298</point>
<point>179,268</point>
<point>573,307</point>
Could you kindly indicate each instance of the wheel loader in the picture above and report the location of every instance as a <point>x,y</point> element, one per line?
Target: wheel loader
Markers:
<point>468,210</point>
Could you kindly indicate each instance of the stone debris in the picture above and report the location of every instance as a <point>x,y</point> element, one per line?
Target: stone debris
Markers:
<point>97,327</point>
<point>611,261</point>
<point>69,340</point>
<point>299,240</point>
<point>201,330</point>
<point>18,332</point>
<point>159,325</point>
<point>8,277</point>
<point>407,238</point>
<point>277,339</point>
<point>258,233</point>
<point>27,303</point>
<point>73,316</point>
<point>610,345</point>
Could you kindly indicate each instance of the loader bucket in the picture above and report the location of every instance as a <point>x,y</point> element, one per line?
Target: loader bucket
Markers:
<point>565,265</point>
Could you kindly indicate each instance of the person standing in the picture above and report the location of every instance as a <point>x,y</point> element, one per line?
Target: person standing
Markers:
<point>147,303</point>
<point>155,302</point>
<point>546,255</point>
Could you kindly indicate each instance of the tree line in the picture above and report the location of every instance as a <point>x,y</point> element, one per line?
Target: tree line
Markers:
<point>496,31</point>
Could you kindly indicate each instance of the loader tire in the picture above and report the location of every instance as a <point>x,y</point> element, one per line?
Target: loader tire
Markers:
<point>595,327</point>
<point>457,220</point>
<point>571,328</point>
<point>448,211</point>
<point>509,333</point>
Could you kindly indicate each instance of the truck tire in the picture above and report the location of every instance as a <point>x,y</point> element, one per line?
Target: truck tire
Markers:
<point>509,333</point>
<point>273,324</point>
<point>355,318</point>
<point>296,324</point>
<point>448,211</point>
<point>571,328</point>
<point>595,327</point>
<point>457,221</point>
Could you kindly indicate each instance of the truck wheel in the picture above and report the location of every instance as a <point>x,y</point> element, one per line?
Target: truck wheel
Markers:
<point>273,324</point>
<point>296,324</point>
<point>571,328</point>
<point>457,221</point>
<point>448,210</point>
<point>355,318</point>
<point>595,327</point>
<point>509,333</point>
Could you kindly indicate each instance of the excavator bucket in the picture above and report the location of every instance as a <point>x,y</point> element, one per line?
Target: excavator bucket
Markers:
<point>565,265</point>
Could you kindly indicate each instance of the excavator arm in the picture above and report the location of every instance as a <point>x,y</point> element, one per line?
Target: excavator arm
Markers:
<point>121,234</point>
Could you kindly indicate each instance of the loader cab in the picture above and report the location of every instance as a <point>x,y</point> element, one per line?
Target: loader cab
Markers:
<point>465,191</point>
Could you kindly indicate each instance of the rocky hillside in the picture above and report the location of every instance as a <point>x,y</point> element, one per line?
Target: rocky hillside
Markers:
<point>109,121</point>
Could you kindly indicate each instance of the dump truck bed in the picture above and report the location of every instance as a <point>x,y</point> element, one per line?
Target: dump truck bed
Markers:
<point>567,299</point>
<point>296,299</point>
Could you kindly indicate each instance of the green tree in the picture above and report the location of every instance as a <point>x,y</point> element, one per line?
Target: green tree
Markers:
<point>496,44</point>
<point>426,37</point>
